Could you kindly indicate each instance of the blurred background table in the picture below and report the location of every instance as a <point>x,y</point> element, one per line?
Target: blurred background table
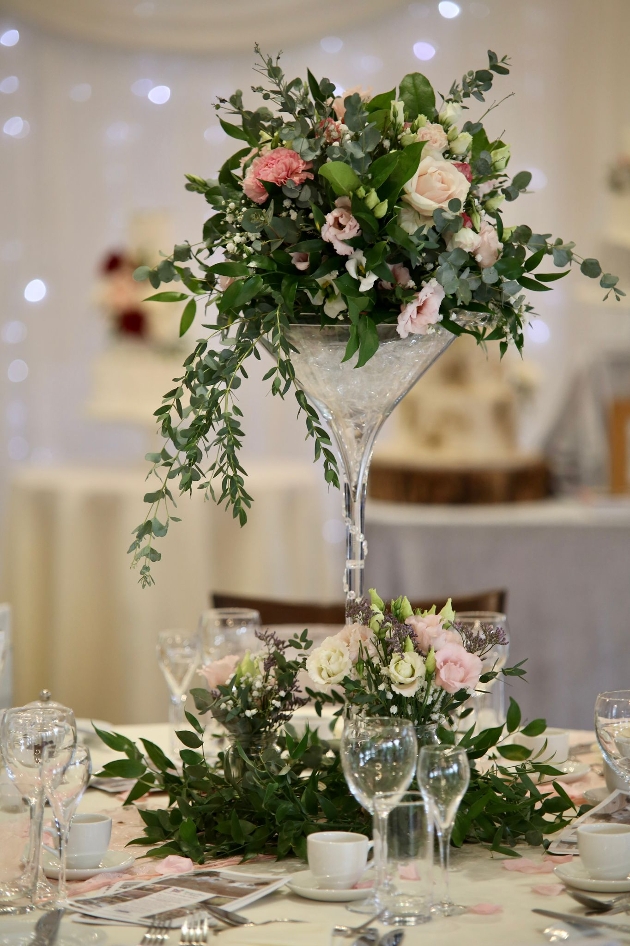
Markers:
<point>85,629</point>
<point>565,564</point>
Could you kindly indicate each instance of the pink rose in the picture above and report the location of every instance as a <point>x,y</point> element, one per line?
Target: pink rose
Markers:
<point>357,637</point>
<point>456,669</point>
<point>341,225</point>
<point>330,130</point>
<point>225,282</point>
<point>465,169</point>
<point>339,103</point>
<point>435,137</point>
<point>429,632</point>
<point>219,672</point>
<point>402,276</point>
<point>488,249</point>
<point>299,260</point>
<point>435,183</point>
<point>276,167</point>
<point>422,311</point>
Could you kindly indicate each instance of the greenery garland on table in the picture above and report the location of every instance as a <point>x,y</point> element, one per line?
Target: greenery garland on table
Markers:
<point>344,209</point>
<point>272,789</point>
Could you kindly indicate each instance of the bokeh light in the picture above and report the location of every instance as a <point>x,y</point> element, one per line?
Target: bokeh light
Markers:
<point>159,95</point>
<point>331,44</point>
<point>448,9</point>
<point>423,51</point>
<point>142,87</point>
<point>17,371</point>
<point>16,127</point>
<point>10,38</point>
<point>9,85</point>
<point>13,332</point>
<point>35,290</point>
<point>538,332</point>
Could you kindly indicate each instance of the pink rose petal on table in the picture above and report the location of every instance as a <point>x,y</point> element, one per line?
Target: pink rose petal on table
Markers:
<point>174,864</point>
<point>98,881</point>
<point>525,865</point>
<point>363,885</point>
<point>548,890</point>
<point>559,858</point>
<point>485,909</point>
<point>409,872</point>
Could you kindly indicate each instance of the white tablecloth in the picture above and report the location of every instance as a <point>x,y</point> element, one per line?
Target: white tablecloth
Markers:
<point>565,565</point>
<point>479,878</point>
<point>85,629</point>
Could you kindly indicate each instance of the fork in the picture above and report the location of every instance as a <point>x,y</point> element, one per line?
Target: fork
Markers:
<point>194,931</point>
<point>157,934</point>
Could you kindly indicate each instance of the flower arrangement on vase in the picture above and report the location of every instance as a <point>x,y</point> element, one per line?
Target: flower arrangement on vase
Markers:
<point>339,209</point>
<point>269,800</point>
<point>391,661</point>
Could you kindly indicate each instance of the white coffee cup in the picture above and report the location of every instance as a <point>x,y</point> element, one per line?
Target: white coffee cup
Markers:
<point>555,752</point>
<point>88,841</point>
<point>605,850</point>
<point>337,859</point>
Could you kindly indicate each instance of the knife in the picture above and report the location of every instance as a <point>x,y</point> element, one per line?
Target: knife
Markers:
<point>46,928</point>
<point>584,921</point>
<point>226,916</point>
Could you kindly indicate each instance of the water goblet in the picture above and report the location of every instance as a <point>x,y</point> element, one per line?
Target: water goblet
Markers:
<point>65,789</point>
<point>488,701</point>
<point>443,777</point>
<point>228,631</point>
<point>37,744</point>
<point>179,655</point>
<point>378,757</point>
<point>612,727</point>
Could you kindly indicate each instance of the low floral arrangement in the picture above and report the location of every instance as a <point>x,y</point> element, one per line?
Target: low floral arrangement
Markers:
<point>391,661</point>
<point>339,209</point>
<point>266,795</point>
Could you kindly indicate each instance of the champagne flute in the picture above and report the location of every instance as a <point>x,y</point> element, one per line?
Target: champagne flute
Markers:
<point>65,789</point>
<point>37,743</point>
<point>612,727</point>
<point>378,757</point>
<point>179,655</point>
<point>443,777</point>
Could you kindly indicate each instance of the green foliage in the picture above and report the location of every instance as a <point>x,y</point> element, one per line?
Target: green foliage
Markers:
<point>417,93</point>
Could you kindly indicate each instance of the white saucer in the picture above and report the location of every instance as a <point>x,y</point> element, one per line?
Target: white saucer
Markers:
<point>20,933</point>
<point>112,861</point>
<point>573,874</point>
<point>305,885</point>
<point>571,771</point>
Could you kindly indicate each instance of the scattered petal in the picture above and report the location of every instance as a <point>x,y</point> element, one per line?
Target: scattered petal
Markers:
<point>409,872</point>
<point>526,865</point>
<point>485,909</point>
<point>548,890</point>
<point>174,864</point>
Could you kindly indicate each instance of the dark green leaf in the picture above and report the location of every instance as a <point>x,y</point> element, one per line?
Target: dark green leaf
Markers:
<point>341,177</point>
<point>234,131</point>
<point>589,267</point>
<point>417,93</point>
<point>188,316</point>
<point>189,739</point>
<point>167,297</point>
<point>513,720</point>
<point>535,728</point>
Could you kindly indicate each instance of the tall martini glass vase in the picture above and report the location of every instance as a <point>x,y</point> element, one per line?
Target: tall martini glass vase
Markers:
<point>355,402</point>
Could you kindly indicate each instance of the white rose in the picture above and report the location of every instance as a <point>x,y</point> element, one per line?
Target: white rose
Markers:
<point>434,184</point>
<point>329,663</point>
<point>449,113</point>
<point>489,248</point>
<point>406,671</point>
<point>464,239</point>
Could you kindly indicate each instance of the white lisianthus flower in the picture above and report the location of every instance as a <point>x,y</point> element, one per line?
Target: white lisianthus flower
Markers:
<point>406,671</point>
<point>329,663</point>
<point>356,267</point>
<point>449,113</point>
<point>334,305</point>
<point>465,239</point>
<point>409,220</point>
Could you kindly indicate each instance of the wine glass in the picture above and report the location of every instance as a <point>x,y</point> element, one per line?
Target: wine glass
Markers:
<point>179,655</point>
<point>443,777</point>
<point>37,744</point>
<point>489,700</point>
<point>378,757</point>
<point>612,727</point>
<point>228,631</point>
<point>64,790</point>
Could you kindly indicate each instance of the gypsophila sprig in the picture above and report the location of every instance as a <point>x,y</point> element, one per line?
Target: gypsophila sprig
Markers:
<point>352,209</point>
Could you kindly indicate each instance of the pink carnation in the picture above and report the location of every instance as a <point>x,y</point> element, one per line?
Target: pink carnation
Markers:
<point>456,669</point>
<point>219,672</point>
<point>299,260</point>
<point>401,275</point>
<point>341,225</point>
<point>429,632</point>
<point>276,167</point>
<point>465,169</point>
<point>422,311</point>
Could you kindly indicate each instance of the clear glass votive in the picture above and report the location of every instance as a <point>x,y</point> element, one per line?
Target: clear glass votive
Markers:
<point>410,859</point>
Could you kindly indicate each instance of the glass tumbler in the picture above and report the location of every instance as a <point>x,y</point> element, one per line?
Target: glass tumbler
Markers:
<point>410,859</point>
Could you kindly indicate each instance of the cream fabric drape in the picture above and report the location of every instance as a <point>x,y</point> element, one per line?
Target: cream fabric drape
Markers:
<point>202,26</point>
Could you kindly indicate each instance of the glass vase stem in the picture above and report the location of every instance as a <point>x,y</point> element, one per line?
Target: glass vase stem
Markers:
<point>31,874</point>
<point>444,841</point>
<point>379,833</point>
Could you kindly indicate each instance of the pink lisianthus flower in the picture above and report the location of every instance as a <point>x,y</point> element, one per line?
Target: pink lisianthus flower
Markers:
<point>402,276</point>
<point>341,225</point>
<point>300,261</point>
<point>359,639</point>
<point>465,169</point>
<point>456,669</point>
<point>422,311</point>
<point>276,167</point>
<point>429,632</point>
<point>488,248</point>
<point>219,672</point>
